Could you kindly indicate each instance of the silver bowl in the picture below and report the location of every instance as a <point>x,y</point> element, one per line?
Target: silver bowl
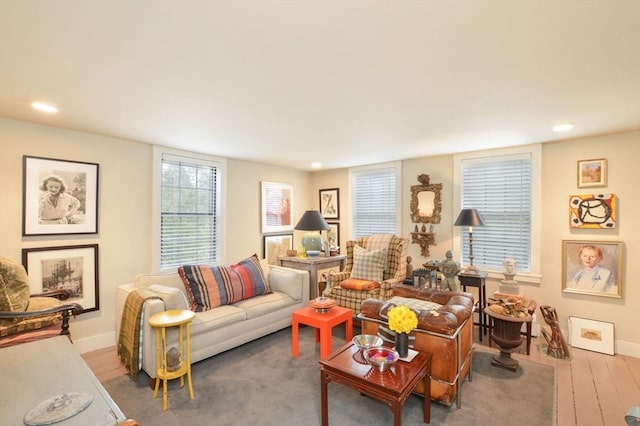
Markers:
<point>366,341</point>
<point>382,359</point>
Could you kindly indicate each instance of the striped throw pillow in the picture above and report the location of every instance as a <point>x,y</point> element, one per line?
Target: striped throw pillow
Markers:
<point>208,287</point>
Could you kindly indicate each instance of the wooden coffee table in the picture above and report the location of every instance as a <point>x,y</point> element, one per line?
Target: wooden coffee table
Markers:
<point>348,367</point>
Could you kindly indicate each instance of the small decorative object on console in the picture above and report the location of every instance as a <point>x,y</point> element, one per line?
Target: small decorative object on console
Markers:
<point>322,304</point>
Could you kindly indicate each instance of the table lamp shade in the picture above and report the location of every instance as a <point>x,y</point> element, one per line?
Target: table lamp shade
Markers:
<point>470,218</point>
<point>313,222</point>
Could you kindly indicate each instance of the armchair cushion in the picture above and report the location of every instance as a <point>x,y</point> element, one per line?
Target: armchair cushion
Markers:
<point>368,265</point>
<point>360,285</point>
<point>208,287</point>
<point>24,324</point>
<point>14,287</point>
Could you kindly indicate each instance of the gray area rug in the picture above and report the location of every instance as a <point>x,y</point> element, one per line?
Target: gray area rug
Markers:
<point>260,383</point>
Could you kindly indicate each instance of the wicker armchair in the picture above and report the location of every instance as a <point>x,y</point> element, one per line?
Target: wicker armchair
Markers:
<point>25,317</point>
<point>394,273</point>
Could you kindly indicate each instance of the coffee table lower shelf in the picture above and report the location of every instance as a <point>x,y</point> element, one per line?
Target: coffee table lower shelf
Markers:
<point>346,366</point>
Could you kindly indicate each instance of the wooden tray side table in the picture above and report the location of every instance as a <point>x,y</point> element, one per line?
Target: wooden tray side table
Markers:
<point>160,322</point>
<point>346,367</point>
<point>323,323</point>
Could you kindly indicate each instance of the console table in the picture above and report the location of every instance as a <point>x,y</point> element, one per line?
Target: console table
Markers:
<point>44,369</point>
<point>313,265</point>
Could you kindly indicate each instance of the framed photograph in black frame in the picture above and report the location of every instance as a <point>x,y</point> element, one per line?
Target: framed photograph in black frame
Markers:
<point>73,268</point>
<point>333,234</point>
<point>59,197</point>
<point>330,203</point>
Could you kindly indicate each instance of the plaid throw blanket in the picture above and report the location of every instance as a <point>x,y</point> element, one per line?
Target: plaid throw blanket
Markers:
<point>129,338</point>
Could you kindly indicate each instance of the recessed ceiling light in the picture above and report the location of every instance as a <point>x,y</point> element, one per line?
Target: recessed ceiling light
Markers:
<point>564,127</point>
<point>41,106</point>
<point>316,165</point>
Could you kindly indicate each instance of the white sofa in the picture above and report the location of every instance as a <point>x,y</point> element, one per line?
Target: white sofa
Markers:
<point>223,327</point>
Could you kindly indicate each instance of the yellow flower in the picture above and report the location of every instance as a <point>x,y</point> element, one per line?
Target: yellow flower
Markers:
<point>402,319</point>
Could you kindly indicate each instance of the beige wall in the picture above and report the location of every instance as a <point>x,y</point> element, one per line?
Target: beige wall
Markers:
<point>125,215</point>
<point>559,167</point>
<point>124,237</point>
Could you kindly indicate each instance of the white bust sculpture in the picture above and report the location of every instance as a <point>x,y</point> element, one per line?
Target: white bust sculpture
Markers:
<point>509,269</point>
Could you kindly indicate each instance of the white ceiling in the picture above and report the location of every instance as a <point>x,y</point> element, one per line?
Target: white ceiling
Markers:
<point>340,82</point>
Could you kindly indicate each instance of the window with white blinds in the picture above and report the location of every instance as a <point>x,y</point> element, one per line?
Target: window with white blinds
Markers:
<point>500,188</point>
<point>375,199</point>
<point>189,211</point>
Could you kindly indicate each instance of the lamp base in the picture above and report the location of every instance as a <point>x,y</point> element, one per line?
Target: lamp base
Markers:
<point>312,241</point>
<point>471,270</point>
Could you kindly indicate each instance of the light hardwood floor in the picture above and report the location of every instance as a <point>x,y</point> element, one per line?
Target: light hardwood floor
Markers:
<point>592,389</point>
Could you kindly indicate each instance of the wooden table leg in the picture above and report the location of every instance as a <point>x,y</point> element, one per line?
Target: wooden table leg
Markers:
<point>397,413</point>
<point>324,398</point>
<point>427,398</point>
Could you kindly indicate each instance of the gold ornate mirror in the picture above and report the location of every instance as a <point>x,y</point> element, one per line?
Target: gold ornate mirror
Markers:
<point>426,205</point>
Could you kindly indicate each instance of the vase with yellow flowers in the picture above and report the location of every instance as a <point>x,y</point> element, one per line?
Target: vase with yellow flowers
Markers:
<point>402,321</point>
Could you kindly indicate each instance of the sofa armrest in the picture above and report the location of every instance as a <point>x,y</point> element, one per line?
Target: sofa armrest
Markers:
<point>292,282</point>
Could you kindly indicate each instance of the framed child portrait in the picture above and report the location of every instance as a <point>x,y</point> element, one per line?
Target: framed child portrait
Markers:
<point>59,197</point>
<point>592,267</point>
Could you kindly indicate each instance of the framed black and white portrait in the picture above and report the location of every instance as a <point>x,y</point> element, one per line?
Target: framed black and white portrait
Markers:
<point>59,197</point>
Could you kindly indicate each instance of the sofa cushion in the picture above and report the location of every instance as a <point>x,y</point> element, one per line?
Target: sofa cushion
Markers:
<point>208,287</point>
<point>264,305</point>
<point>285,281</point>
<point>14,288</point>
<point>360,285</point>
<point>368,265</point>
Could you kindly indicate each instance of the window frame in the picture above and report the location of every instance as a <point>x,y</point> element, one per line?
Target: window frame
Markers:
<point>396,167</point>
<point>535,150</point>
<point>156,222</point>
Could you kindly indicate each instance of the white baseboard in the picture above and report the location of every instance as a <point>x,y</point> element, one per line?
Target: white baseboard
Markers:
<point>627,348</point>
<point>93,343</point>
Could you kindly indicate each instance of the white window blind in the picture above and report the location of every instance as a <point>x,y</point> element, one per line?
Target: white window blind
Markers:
<point>189,229</point>
<point>500,189</point>
<point>375,200</point>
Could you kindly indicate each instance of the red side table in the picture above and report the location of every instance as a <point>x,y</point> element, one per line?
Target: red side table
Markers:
<point>323,323</point>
